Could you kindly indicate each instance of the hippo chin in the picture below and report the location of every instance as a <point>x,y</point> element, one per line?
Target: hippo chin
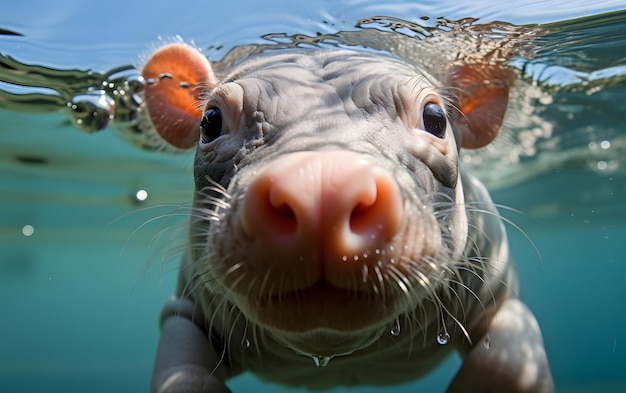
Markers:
<point>332,225</point>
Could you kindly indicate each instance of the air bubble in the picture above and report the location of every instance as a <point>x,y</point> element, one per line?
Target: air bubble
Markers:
<point>28,230</point>
<point>141,196</point>
<point>321,361</point>
<point>443,338</point>
<point>135,83</point>
<point>92,111</point>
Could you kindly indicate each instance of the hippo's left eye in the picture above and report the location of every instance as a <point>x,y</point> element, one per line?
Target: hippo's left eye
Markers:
<point>210,125</point>
<point>434,119</point>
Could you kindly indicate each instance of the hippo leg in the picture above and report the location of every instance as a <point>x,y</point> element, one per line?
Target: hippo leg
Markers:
<point>509,358</point>
<point>186,360</point>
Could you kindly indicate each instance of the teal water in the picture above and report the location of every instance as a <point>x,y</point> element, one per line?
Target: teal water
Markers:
<point>81,294</point>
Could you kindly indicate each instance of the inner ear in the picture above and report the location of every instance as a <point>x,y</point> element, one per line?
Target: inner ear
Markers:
<point>482,93</point>
<point>175,76</point>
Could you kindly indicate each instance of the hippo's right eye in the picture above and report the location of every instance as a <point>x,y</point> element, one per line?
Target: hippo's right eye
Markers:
<point>210,125</point>
<point>434,119</point>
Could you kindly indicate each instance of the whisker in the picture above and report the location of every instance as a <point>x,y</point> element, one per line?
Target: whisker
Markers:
<point>509,222</point>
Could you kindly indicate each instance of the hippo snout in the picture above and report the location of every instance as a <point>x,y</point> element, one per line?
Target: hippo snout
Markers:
<point>322,209</point>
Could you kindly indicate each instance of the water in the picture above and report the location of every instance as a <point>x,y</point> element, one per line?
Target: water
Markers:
<point>81,291</point>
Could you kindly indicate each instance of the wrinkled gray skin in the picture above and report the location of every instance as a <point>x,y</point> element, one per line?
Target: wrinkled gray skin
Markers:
<point>371,104</point>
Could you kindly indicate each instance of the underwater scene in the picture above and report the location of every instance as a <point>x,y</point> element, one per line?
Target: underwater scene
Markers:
<point>94,208</point>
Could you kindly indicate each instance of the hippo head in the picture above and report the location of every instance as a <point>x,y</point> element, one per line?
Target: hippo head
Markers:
<point>329,202</point>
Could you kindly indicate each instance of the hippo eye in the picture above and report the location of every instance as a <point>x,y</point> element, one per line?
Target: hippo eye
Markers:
<point>210,125</point>
<point>434,119</point>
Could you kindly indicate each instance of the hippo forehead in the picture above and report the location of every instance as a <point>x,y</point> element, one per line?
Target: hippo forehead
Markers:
<point>276,103</point>
<point>335,84</point>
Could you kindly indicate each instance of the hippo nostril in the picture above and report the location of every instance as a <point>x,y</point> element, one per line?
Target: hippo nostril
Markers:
<point>378,211</point>
<point>269,210</point>
<point>362,223</point>
<point>283,218</point>
<point>361,217</point>
<point>285,212</point>
<point>358,214</point>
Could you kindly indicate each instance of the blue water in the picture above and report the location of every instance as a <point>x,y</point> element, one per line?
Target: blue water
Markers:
<point>80,296</point>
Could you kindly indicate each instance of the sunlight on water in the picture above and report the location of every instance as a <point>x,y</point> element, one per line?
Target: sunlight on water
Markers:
<point>553,76</point>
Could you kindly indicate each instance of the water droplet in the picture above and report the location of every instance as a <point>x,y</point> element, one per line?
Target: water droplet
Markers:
<point>443,338</point>
<point>321,361</point>
<point>344,258</point>
<point>245,343</point>
<point>92,111</point>
<point>395,330</point>
<point>487,342</point>
<point>165,75</point>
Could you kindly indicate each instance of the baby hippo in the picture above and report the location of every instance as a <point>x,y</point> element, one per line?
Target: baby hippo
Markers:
<point>333,227</point>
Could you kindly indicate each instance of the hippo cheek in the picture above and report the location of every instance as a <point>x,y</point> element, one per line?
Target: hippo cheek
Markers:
<point>318,249</point>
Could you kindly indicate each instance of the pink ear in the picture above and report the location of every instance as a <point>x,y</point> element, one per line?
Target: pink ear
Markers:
<point>175,75</point>
<point>482,92</point>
